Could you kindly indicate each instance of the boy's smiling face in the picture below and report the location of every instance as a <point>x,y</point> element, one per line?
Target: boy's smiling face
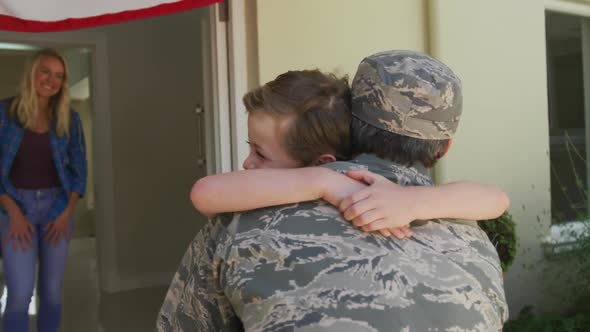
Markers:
<point>266,135</point>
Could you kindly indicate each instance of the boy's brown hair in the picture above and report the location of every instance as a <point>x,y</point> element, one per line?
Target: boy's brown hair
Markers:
<point>320,104</point>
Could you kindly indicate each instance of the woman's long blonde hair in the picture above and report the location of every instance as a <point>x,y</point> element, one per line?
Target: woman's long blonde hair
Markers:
<point>25,105</point>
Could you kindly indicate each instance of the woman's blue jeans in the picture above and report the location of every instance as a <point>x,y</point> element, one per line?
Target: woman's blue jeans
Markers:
<point>19,267</point>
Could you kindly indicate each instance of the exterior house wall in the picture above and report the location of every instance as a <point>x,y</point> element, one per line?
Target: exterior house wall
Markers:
<point>333,35</point>
<point>498,50</point>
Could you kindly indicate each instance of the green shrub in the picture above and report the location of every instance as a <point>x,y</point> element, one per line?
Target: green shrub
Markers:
<point>528,321</point>
<point>573,265</point>
<point>502,233</point>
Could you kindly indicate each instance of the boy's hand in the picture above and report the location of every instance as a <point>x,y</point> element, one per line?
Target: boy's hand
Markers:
<point>383,206</point>
<point>400,232</point>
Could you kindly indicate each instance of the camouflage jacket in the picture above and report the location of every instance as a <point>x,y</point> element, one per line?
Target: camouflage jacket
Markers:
<point>303,267</point>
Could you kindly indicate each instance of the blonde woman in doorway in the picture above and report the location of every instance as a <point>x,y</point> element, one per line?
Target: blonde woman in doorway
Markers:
<point>42,176</point>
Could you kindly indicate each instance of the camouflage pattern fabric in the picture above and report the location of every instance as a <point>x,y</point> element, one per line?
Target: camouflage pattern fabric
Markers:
<point>195,301</point>
<point>302,267</point>
<point>407,93</point>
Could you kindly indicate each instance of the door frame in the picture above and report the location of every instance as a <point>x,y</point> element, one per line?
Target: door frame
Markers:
<point>217,89</point>
<point>229,72</point>
<point>573,7</point>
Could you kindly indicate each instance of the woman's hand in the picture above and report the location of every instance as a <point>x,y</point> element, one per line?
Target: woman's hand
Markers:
<point>58,228</point>
<point>383,206</point>
<point>19,230</point>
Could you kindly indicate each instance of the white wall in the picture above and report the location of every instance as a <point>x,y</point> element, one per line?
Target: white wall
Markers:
<point>11,67</point>
<point>333,35</point>
<point>497,48</point>
<point>84,214</point>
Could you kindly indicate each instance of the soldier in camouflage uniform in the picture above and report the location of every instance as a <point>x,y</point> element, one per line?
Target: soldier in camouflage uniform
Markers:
<point>303,267</point>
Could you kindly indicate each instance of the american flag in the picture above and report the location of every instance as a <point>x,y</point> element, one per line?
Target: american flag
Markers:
<point>61,15</point>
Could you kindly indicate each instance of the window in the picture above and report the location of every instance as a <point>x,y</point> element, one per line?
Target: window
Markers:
<point>567,116</point>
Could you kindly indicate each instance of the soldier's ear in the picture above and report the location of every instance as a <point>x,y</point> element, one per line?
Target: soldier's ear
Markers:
<point>446,148</point>
<point>325,158</point>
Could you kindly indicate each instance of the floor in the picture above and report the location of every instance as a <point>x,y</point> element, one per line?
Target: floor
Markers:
<point>85,309</point>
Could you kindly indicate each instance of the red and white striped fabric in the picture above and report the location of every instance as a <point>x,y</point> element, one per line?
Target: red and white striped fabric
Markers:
<point>60,15</point>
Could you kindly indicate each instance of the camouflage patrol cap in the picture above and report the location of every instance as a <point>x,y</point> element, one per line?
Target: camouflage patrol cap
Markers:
<point>407,93</point>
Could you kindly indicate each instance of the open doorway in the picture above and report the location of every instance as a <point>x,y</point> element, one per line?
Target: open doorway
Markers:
<point>148,142</point>
<point>13,58</point>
